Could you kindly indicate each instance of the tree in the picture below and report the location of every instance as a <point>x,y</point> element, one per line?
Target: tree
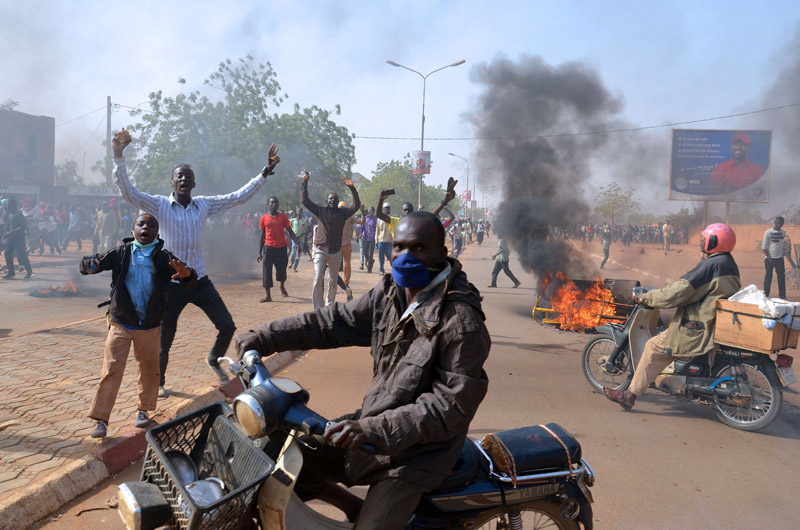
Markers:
<point>397,175</point>
<point>614,201</point>
<point>792,215</point>
<point>8,104</point>
<point>226,139</point>
<point>66,174</point>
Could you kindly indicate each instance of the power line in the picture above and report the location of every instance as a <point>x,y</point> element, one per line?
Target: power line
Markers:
<point>90,137</point>
<point>81,116</point>
<point>586,133</point>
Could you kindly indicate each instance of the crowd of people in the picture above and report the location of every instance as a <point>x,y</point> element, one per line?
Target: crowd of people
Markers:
<point>30,227</point>
<point>423,321</point>
<point>627,234</point>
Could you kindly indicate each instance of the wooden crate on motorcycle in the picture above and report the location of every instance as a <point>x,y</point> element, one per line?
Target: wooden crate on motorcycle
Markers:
<point>740,325</point>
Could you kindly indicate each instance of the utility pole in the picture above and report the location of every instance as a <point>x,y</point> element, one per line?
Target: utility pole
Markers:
<point>109,163</point>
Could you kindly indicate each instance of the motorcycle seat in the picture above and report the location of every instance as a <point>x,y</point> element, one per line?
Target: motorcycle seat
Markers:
<point>464,469</point>
<point>533,449</point>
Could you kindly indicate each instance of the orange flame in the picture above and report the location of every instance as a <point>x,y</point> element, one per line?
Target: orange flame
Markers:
<point>68,287</point>
<point>577,310</point>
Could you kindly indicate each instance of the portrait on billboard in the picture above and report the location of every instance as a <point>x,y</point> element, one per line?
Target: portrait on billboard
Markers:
<point>421,163</point>
<point>724,165</point>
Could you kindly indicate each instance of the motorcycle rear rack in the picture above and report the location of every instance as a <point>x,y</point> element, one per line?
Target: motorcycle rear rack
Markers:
<point>582,469</point>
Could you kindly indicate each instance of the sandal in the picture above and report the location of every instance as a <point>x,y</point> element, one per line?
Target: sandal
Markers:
<point>625,400</point>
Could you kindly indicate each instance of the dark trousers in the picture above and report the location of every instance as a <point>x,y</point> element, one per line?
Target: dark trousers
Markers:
<point>368,254</point>
<point>15,247</point>
<point>205,296</point>
<point>72,233</point>
<point>502,265</point>
<point>780,271</point>
<point>389,503</point>
<point>277,257</point>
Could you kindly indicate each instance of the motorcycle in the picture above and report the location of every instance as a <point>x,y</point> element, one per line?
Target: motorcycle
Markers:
<point>745,388</point>
<point>250,454</point>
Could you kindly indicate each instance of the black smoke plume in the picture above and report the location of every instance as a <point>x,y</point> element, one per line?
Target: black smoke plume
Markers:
<point>522,115</point>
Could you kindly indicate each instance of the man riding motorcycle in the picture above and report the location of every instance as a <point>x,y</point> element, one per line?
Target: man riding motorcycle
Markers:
<point>691,332</point>
<point>428,340</point>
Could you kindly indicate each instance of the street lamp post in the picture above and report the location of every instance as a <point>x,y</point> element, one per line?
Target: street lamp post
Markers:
<point>466,206</point>
<point>422,134</point>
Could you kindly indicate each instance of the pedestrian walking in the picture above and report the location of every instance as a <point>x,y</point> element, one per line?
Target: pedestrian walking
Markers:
<point>183,221</point>
<point>301,228</point>
<point>328,238</point>
<point>775,244</point>
<point>368,239</point>
<point>479,230</point>
<point>501,263</point>
<point>606,242</point>
<point>667,231</point>
<point>272,251</point>
<point>141,269</point>
<point>15,240</point>
<point>458,237</point>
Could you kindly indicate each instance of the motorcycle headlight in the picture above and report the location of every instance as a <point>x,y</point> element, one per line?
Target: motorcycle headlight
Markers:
<point>255,412</point>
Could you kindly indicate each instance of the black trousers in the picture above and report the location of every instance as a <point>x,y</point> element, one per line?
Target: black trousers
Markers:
<point>205,296</point>
<point>389,503</point>
<point>780,271</point>
<point>15,247</point>
<point>277,257</point>
<point>502,265</point>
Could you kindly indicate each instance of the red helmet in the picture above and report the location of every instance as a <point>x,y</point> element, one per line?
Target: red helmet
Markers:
<point>718,237</point>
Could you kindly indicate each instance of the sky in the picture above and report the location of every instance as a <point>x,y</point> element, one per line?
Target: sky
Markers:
<point>666,61</point>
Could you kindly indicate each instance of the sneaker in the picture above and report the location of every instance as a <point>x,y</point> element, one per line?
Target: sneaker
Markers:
<point>162,392</point>
<point>492,286</point>
<point>218,371</point>
<point>29,275</point>
<point>141,420</point>
<point>9,275</point>
<point>517,284</point>
<point>100,430</point>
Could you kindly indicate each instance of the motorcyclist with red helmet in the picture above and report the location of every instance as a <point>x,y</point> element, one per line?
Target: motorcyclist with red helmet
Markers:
<point>691,332</point>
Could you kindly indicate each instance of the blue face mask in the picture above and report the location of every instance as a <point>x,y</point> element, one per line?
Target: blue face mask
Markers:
<point>408,271</point>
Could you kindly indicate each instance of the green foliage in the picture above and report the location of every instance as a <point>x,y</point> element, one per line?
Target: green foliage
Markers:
<point>614,201</point>
<point>685,219</point>
<point>66,174</point>
<point>397,175</point>
<point>226,138</point>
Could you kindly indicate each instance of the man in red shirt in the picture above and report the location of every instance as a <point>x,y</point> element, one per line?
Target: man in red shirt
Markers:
<point>272,249</point>
<point>738,172</point>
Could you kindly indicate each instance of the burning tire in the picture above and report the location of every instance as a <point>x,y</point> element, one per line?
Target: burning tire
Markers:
<point>596,369</point>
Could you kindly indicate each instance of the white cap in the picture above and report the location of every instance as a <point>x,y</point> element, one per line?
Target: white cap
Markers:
<point>387,205</point>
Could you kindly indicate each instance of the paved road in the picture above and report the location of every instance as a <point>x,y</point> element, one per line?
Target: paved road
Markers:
<point>665,465</point>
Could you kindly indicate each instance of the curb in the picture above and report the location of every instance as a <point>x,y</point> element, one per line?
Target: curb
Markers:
<point>36,502</point>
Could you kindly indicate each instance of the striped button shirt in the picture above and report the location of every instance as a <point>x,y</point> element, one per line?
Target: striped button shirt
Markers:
<point>182,228</point>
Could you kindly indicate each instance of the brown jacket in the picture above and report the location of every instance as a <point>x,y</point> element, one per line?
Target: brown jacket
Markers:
<point>428,377</point>
<point>691,331</point>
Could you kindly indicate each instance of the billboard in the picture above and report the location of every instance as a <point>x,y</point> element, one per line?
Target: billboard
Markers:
<point>719,165</point>
<point>422,163</point>
<point>466,195</point>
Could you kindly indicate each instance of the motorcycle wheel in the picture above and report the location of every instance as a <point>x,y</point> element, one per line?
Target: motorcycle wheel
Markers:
<point>762,409</point>
<point>535,515</point>
<point>595,353</point>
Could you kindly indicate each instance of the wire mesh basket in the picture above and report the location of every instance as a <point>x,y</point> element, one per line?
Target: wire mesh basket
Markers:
<point>218,449</point>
